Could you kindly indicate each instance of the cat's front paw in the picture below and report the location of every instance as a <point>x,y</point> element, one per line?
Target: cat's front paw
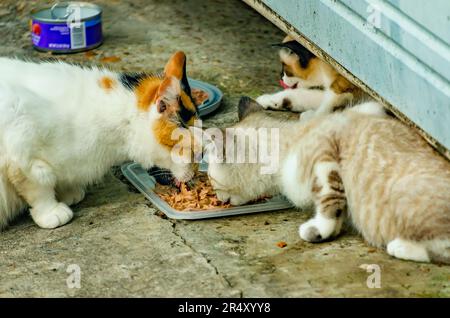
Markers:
<point>319,229</point>
<point>183,175</point>
<point>237,200</point>
<point>230,198</point>
<point>223,196</point>
<point>310,233</point>
<point>268,102</point>
<point>307,115</point>
<point>50,218</point>
<point>408,250</point>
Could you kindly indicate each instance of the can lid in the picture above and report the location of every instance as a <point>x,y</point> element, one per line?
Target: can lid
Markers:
<point>62,11</point>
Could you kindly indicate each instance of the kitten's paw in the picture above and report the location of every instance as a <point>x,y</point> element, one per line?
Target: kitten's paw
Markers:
<point>57,215</point>
<point>72,196</point>
<point>232,199</point>
<point>307,115</point>
<point>310,233</point>
<point>223,196</point>
<point>237,200</point>
<point>183,175</point>
<point>268,101</point>
<point>318,229</point>
<point>408,250</point>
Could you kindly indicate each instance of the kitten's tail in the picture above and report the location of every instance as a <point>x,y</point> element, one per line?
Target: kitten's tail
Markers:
<point>10,202</point>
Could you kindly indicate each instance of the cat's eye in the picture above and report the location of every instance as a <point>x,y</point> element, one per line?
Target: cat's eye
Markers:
<point>162,106</point>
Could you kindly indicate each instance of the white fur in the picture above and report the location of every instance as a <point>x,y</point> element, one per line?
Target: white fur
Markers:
<point>291,81</point>
<point>439,247</point>
<point>307,115</point>
<point>10,202</point>
<point>326,227</point>
<point>370,108</point>
<point>408,250</point>
<point>62,131</point>
<point>301,99</point>
<point>304,99</point>
<point>332,100</point>
<point>420,251</point>
<point>292,188</point>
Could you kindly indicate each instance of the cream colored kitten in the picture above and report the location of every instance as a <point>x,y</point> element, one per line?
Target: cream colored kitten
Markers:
<point>63,126</point>
<point>358,164</point>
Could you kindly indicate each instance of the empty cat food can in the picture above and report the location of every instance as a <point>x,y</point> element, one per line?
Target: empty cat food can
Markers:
<point>67,27</point>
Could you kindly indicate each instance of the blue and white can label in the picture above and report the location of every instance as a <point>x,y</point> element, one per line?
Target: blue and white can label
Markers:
<point>66,33</point>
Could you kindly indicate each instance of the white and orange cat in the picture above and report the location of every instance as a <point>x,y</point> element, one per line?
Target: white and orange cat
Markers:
<point>63,126</point>
<point>356,164</point>
<point>310,84</point>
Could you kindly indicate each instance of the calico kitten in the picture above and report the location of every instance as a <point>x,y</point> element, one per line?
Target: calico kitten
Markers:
<point>310,83</point>
<point>357,164</point>
<point>63,126</point>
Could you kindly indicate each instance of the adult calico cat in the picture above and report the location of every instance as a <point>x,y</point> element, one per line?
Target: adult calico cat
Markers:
<point>63,126</point>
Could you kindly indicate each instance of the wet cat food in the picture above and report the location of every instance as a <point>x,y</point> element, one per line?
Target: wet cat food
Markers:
<point>198,194</point>
<point>199,96</point>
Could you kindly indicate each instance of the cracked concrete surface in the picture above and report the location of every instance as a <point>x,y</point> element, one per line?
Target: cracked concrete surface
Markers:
<point>125,247</point>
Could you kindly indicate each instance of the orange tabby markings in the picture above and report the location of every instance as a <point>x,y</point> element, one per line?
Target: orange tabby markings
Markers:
<point>163,131</point>
<point>146,92</point>
<point>107,83</point>
<point>316,187</point>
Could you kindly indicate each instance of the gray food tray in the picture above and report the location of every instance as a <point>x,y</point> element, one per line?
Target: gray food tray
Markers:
<point>215,96</point>
<point>145,183</point>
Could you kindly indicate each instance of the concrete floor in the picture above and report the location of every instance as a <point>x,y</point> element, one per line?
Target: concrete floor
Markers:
<point>124,247</point>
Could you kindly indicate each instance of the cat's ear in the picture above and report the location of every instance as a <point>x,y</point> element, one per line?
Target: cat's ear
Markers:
<point>304,55</point>
<point>167,96</point>
<point>173,102</point>
<point>247,106</point>
<point>176,66</point>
